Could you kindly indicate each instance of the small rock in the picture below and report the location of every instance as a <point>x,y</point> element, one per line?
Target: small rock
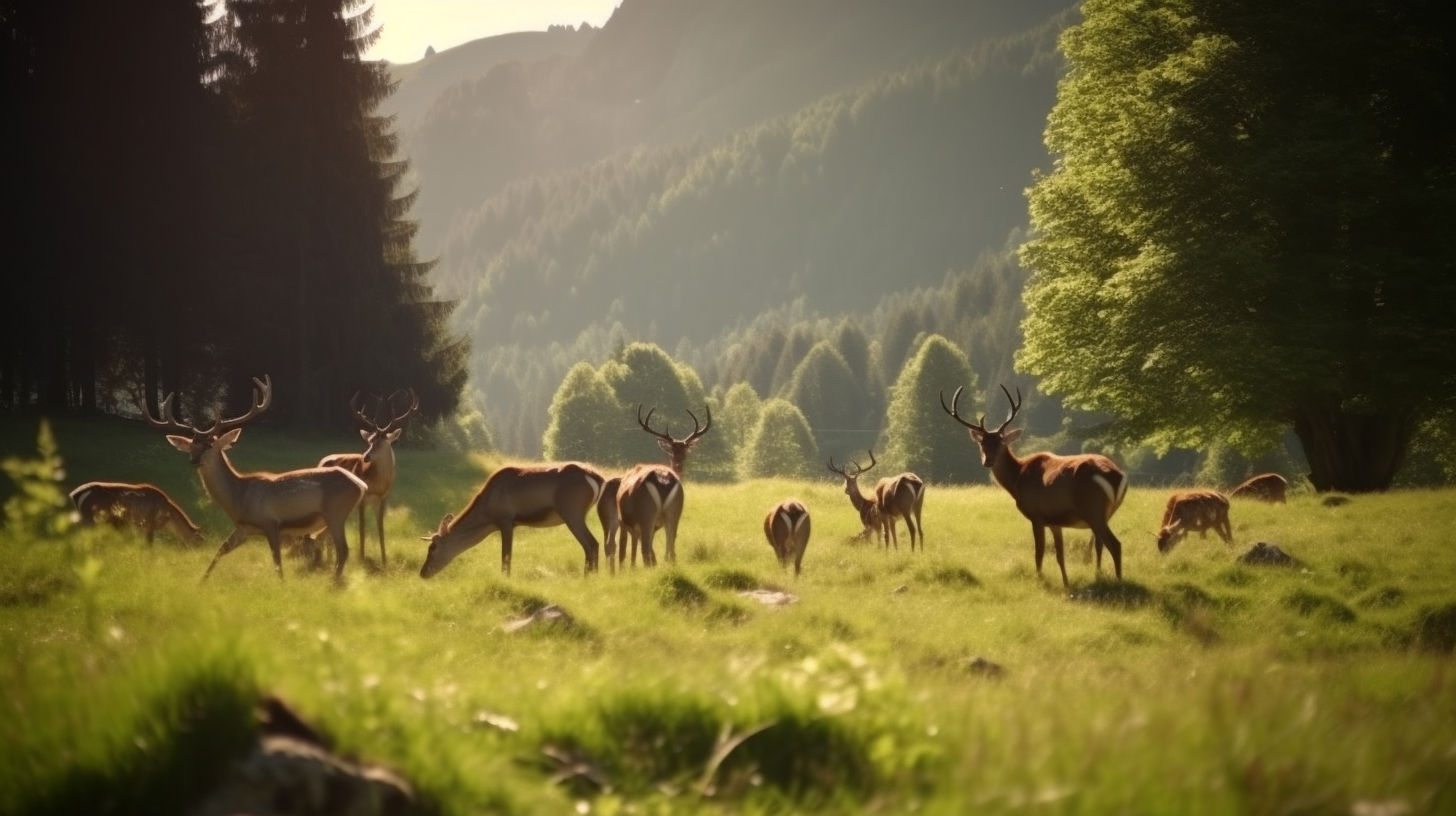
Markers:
<point>549,614</point>
<point>1269,554</point>
<point>985,668</point>
<point>769,597</point>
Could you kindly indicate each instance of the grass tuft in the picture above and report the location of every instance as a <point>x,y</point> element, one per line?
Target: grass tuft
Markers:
<point>1314,604</point>
<point>1436,629</point>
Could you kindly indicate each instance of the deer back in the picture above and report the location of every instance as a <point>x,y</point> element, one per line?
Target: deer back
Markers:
<point>1063,491</point>
<point>898,495</point>
<point>787,528</point>
<point>1270,487</point>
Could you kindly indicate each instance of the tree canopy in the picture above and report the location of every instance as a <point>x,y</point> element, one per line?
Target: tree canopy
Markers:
<point>1245,228</point>
<point>920,437</point>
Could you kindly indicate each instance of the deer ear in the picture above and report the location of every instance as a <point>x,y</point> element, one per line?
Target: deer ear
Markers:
<point>445,523</point>
<point>226,440</point>
<point>363,434</point>
<point>666,448</point>
<point>181,443</point>
<point>1011,436</point>
<point>977,434</point>
<point>394,434</point>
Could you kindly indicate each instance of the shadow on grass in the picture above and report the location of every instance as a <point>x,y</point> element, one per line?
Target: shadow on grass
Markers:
<point>1113,594</point>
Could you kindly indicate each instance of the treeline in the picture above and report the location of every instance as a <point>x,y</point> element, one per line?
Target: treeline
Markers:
<point>201,194</point>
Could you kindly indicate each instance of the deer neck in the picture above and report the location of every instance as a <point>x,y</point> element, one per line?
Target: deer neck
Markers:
<point>858,499</point>
<point>1006,470</point>
<point>223,484</point>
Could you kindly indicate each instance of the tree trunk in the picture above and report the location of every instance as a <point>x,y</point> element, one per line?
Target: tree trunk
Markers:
<point>1350,452</point>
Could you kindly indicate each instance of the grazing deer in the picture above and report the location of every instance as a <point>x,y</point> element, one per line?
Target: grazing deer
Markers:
<point>376,464</point>
<point>1194,511</point>
<point>650,498</point>
<point>1081,492</point>
<point>677,454</point>
<point>143,506</point>
<point>532,496</point>
<point>894,497</point>
<point>1269,487</point>
<point>273,505</point>
<point>787,529</point>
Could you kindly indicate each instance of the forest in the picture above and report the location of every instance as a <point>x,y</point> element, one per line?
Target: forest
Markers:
<point>818,204</point>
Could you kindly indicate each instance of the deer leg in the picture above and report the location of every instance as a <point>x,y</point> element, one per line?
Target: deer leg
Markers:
<point>670,531</point>
<point>588,542</point>
<point>275,545</point>
<point>379,528</point>
<point>363,556</point>
<point>644,534</point>
<point>1061,556</point>
<point>232,542</point>
<point>1114,547</point>
<point>1038,534</point>
<point>507,532</point>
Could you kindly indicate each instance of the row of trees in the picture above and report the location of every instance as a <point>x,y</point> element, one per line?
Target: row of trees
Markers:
<point>200,195</point>
<point>593,417</point>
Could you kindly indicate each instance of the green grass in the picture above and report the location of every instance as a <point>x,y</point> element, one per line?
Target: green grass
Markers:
<point>1197,685</point>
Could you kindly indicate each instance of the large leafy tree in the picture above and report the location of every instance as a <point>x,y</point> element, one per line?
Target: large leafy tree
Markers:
<point>586,419</point>
<point>780,444</point>
<point>919,436</point>
<point>1247,227</point>
<point>832,398</point>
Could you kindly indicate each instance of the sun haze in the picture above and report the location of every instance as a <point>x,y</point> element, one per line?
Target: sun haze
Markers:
<point>411,26</point>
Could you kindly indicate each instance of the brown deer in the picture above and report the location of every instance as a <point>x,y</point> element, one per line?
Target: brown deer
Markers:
<point>649,498</point>
<point>532,496</point>
<point>1269,487</point>
<point>677,454</point>
<point>787,529</point>
<point>376,465</point>
<point>1080,492</point>
<point>894,497</point>
<point>273,505</point>
<point>865,506</point>
<point>143,506</point>
<point>1194,511</point>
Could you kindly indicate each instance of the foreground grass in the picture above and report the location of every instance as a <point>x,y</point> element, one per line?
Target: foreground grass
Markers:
<point>1196,685</point>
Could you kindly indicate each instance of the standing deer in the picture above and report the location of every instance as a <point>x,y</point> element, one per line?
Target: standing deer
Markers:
<point>894,497</point>
<point>376,464</point>
<point>649,498</point>
<point>273,505</point>
<point>677,455</point>
<point>864,506</point>
<point>533,496</point>
<point>1194,511</point>
<point>143,506</point>
<point>1269,487</point>
<point>787,529</point>
<point>1081,492</point>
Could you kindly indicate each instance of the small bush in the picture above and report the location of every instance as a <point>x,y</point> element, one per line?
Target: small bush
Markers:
<point>1313,604</point>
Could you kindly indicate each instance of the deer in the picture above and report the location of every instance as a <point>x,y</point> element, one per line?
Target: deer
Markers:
<point>894,497</point>
<point>1080,491</point>
<point>1269,487</point>
<point>376,465</point>
<point>787,529</point>
<point>649,498</point>
<point>273,505</point>
<point>143,506</point>
<point>1194,511</point>
<point>547,495</point>
<point>677,455</point>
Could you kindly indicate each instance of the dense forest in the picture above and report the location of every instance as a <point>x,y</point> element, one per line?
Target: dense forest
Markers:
<point>807,216</point>
<point>209,196</point>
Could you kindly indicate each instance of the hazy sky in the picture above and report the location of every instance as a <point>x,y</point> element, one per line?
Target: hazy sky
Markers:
<point>412,25</point>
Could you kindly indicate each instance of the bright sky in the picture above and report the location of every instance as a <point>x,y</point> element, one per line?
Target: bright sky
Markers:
<point>412,25</point>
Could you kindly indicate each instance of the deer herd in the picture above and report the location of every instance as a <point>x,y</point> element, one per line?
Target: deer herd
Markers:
<point>1053,492</point>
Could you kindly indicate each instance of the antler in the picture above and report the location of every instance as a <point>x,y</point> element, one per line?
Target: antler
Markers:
<point>262,399</point>
<point>981,424</point>
<point>646,426</point>
<point>167,422</point>
<point>360,416</point>
<point>693,437</point>
<point>857,469</point>
<point>397,419</point>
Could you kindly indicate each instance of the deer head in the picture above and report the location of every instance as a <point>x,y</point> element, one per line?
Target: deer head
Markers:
<point>197,443</point>
<point>676,449</point>
<point>991,443</point>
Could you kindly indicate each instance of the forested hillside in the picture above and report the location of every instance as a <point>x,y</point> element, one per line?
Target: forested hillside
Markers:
<point>738,187</point>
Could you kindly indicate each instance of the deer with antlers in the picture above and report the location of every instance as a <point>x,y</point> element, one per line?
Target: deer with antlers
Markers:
<point>143,506</point>
<point>273,505</point>
<point>532,496</point>
<point>1080,492</point>
<point>894,497</point>
<point>608,508</point>
<point>787,529</point>
<point>376,465</point>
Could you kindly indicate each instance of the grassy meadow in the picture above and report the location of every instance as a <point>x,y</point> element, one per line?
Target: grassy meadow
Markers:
<point>948,681</point>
